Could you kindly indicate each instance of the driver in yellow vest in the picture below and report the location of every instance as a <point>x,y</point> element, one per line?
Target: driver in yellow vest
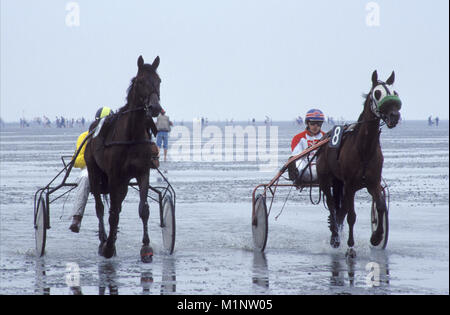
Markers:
<point>82,192</point>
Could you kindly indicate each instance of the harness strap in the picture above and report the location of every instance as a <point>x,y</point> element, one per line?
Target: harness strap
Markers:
<point>153,127</point>
<point>143,141</point>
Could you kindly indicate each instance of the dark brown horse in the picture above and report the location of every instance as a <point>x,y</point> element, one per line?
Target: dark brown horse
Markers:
<point>358,162</point>
<point>122,151</point>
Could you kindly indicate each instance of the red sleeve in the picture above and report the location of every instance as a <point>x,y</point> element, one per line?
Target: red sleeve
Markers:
<point>296,140</point>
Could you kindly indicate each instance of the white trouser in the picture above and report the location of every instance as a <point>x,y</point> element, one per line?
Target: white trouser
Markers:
<point>82,193</point>
<point>303,163</point>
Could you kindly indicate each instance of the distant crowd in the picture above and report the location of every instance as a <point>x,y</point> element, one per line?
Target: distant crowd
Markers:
<point>432,121</point>
<point>59,122</point>
<point>64,122</point>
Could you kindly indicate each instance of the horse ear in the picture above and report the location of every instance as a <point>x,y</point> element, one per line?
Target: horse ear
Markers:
<point>155,63</point>
<point>374,78</point>
<point>391,79</point>
<point>140,62</point>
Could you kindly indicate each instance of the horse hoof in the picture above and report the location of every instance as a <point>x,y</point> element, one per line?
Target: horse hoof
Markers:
<point>335,241</point>
<point>375,239</point>
<point>351,253</point>
<point>108,251</point>
<point>146,254</point>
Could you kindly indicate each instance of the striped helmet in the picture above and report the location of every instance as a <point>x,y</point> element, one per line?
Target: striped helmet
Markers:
<point>314,115</point>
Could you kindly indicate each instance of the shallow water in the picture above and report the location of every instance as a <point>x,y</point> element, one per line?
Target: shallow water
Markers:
<point>213,250</point>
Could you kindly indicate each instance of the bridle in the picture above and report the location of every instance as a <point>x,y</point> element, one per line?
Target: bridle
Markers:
<point>147,106</point>
<point>375,105</point>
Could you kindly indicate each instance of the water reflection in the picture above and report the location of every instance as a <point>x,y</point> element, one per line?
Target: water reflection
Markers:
<point>76,290</point>
<point>337,271</point>
<point>146,281</point>
<point>169,276</point>
<point>41,285</point>
<point>380,266</point>
<point>108,275</point>
<point>107,278</point>
<point>374,273</point>
<point>260,270</point>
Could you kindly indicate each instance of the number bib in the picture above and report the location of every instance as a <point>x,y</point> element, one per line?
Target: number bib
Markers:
<point>336,137</point>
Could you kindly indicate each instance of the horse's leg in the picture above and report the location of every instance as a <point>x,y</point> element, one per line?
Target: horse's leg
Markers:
<point>144,214</point>
<point>380,202</point>
<point>95,175</point>
<point>331,204</point>
<point>341,210</point>
<point>100,209</point>
<point>349,205</point>
<point>117,195</point>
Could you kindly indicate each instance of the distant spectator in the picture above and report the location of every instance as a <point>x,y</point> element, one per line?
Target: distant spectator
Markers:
<point>163,124</point>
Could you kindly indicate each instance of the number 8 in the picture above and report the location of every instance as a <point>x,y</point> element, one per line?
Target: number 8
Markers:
<point>335,138</point>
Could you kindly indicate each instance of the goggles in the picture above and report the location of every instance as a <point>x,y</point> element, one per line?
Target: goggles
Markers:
<point>315,123</point>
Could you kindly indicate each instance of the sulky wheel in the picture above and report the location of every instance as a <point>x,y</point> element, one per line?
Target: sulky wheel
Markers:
<point>168,224</point>
<point>260,224</point>
<point>40,225</point>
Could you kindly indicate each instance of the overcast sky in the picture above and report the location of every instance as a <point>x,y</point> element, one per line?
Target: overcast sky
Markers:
<point>223,59</point>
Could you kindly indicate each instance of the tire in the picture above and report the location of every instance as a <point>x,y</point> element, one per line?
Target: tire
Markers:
<point>260,224</point>
<point>168,224</point>
<point>40,226</point>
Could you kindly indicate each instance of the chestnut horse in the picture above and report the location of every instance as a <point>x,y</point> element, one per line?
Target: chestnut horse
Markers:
<point>121,151</point>
<point>358,162</point>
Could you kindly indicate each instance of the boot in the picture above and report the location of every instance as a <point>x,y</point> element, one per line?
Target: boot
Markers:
<point>76,223</point>
<point>298,182</point>
<point>293,171</point>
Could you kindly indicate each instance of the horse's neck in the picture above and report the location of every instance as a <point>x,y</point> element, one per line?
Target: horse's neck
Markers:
<point>369,131</point>
<point>135,125</point>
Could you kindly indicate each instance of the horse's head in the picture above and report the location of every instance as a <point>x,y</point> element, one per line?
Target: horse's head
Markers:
<point>146,87</point>
<point>385,102</point>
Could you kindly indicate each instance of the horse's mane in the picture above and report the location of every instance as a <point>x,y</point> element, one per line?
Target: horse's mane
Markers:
<point>366,99</point>
<point>129,90</point>
<point>128,98</point>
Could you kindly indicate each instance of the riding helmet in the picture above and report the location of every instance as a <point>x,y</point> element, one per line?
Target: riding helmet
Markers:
<point>102,112</point>
<point>314,115</point>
